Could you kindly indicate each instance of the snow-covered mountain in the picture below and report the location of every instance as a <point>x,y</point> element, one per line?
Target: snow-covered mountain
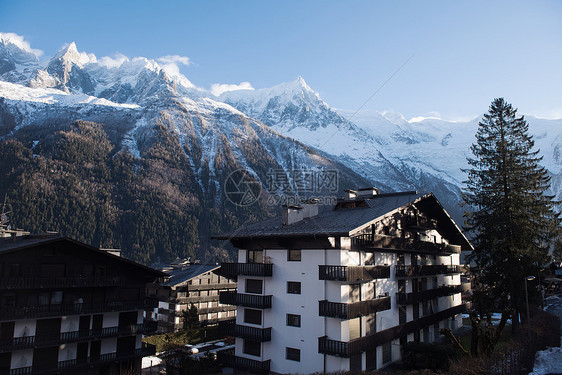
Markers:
<point>184,144</point>
<point>285,127</point>
<point>392,152</point>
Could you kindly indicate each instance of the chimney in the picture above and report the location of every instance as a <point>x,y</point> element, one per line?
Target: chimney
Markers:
<point>295,213</point>
<point>368,192</point>
<point>350,195</point>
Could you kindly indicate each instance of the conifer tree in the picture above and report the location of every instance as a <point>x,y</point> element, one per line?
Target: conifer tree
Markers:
<point>511,218</point>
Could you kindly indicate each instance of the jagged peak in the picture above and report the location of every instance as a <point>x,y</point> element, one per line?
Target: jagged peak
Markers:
<point>70,55</point>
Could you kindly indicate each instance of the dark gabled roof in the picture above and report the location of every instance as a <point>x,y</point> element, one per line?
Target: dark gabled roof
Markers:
<point>8,245</point>
<point>178,276</point>
<point>347,221</point>
<point>339,222</point>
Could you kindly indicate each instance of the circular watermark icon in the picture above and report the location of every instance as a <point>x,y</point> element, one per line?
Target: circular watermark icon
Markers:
<point>241,188</point>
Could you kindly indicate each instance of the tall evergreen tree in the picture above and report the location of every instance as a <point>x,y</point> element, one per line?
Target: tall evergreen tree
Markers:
<point>512,218</point>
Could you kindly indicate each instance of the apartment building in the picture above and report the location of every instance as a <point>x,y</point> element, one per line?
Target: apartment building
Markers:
<point>66,307</point>
<point>343,289</point>
<point>192,284</point>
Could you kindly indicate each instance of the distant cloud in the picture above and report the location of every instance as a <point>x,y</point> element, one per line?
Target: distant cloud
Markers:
<point>170,64</point>
<point>219,88</point>
<point>19,41</point>
<point>553,114</point>
<point>113,62</point>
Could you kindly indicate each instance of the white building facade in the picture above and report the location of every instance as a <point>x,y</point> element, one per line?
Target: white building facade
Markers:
<point>344,289</point>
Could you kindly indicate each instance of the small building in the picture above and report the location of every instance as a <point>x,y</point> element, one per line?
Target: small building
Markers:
<point>67,307</point>
<point>342,290</point>
<point>192,284</point>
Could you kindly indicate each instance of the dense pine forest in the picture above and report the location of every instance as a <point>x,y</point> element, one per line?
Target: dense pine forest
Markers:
<point>75,181</point>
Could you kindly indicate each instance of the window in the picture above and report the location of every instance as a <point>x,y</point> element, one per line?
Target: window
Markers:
<point>252,316</point>
<point>294,255</point>
<point>293,354</point>
<point>401,315</point>
<point>293,287</point>
<point>386,352</point>
<point>252,347</point>
<point>293,320</point>
<point>355,362</point>
<point>254,286</point>
<point>255,256</point>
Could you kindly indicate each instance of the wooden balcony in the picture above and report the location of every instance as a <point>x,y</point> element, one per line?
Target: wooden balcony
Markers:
<point>377,242</point>
<point>75,365</point>
<point>25,312</point>
<point>221,286</point>
<point>347,349</point>
<point>425,295</point>
<point>426,270</point>
<point>247,300</point>
<point>252,333</point>
<point>247,269</point>
<point>228,359</point>
<point>10,282</point>
<point>353,273</point>
<point>75,336</point>
<point>353,310</point>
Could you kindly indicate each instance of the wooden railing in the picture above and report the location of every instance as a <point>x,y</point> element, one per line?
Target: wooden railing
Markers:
<point>348,348</point>
<point>10,282</point>
<point>228,359</point>
<point>247,269</point>
<point>424,295</point>
<point>245,332</point>
<point>353,310</point>
<point>247,300</point>
<point>77,364</point>
<point>74,309</point>
<point>377,241</point>
<point>426,270</point>
<point>75,336</point>
<point>353,273</point>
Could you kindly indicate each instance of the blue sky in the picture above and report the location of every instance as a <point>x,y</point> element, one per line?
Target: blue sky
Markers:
<point>463,53</point>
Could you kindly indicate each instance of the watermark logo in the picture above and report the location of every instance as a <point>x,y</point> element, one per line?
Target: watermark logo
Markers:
<point>241,188</point>
<point>283,186</point>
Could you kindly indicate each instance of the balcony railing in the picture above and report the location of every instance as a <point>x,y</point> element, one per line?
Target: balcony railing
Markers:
<point>228,359</point>
<point>230,328</point>
<point>75,336</point>
<point>212,286</point>
<point>353,310</point>
<point>77,364</point>
<point>247,269</point>
<point>74,309</point>
<point>426,270</point>
<point>419,222</point>
<point>246,300</point>
<point>424,295</point>
<point>214,309</point>
<point>8,282</point>
<point>353,273</point>
<point>377,241</point>
<point>348,348</point>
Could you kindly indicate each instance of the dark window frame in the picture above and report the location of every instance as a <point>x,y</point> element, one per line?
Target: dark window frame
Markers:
<point>253,289</point>
<point>249,319</point>
<point>252,347</point>
<point>387,352</point>
<point>294,287</point>
<point>293,318</point>
<point>293,354</point>
<point>294,255</point>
